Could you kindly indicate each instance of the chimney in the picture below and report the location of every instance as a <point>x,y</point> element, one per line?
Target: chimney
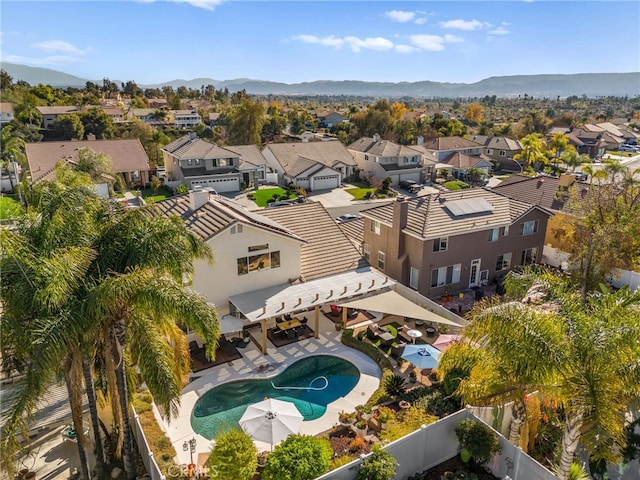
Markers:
<point>376,137</point>
<point>419,140</point>
<point>567,179</point>
<point>400,210</point>
<point>197,198</point>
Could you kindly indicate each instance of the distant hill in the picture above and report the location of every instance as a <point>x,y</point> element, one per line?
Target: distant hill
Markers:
<point>589,84</point>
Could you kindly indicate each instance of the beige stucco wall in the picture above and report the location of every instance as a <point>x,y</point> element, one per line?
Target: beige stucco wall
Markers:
<point>219,281</point>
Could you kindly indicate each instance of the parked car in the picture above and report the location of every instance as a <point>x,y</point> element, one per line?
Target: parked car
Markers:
<point>279,203</point>
<point>410,186</point>
<point>347,217</point>
<point>629,148</point>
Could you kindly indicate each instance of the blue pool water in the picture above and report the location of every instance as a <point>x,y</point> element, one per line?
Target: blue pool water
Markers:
<point>319,380</point>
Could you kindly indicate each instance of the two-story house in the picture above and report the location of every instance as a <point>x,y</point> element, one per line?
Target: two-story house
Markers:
<point>383,158</point>
<point>50,114</point>
<point>453,241</point>
<point>327,118</point>
<point>128,157</point>
<point>186,118</point>
<point>456,155</point>
<point>273,262</point>
<point>193,161</point>
<point>587,141</point>
<point>310,165</point>
<point>498,148</point>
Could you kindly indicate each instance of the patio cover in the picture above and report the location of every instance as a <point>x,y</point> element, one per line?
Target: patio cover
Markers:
<point>231,324</point>
<point>393,303</point>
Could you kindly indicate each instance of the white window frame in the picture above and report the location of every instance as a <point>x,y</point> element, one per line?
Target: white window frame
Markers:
<point>494,234</point>
<point>503,262</point>
<point>414,277</point>
<point>505,233</point>
<point>533,255</point>
<point>381,260</point>
<point>503,153</point>
<point>529,228</point>
<point>440,244</point>
<point>366,251</point>
<point>443,273</point>
<point>375,227</point>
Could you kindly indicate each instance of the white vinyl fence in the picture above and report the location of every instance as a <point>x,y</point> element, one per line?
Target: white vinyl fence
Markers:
<point>145,451</point>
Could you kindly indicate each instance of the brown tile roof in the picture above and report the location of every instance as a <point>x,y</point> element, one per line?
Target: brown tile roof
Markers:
<point>503,143</point>
<point>382,148</point>
<point>127,155</point>
<point>450,143</point>
<point>6,107</point>
<point>354,230</point>
<point>429,217</point>
<point>216,215</point>
<point>541,191</point>
<point>325,153</point>
<point>327,251</point>
<point>188,147</point>
<point>250,155</point>
<point>58,110</point>
<point>462,161</point>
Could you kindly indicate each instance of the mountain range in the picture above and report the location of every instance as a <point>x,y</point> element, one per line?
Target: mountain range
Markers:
<point>546,85</point>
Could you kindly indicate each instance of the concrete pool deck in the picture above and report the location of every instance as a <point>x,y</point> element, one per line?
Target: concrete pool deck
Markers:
<point>255,365</point>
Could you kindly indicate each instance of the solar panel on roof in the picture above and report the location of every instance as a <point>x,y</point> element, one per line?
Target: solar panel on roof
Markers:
<point>468,206</point>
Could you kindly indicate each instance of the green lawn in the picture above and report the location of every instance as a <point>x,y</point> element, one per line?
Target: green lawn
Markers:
<point>263,195</point>
<point>149,195</point>
<point>9,208</point>
<point>360,193</point>
<point>456,185</point>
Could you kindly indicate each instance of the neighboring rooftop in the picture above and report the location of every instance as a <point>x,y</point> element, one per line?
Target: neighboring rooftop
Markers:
<point>326,153</point>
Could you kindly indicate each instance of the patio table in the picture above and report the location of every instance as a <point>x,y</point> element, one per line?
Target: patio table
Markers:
<point>386,337</point>
<point>289,324</point>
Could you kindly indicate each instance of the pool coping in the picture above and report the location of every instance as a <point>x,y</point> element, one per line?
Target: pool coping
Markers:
<point>254,365</point>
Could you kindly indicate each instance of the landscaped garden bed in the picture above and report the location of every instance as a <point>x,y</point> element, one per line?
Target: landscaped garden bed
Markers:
<point>454,468</point>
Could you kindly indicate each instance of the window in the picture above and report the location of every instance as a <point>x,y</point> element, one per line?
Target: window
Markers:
<point>529,256</point>
<point>366,251</point>
<point>197,161</point>
<point>445,275</point>
<point>189,161</point>
<point>440,244</point>
<point>503,153</point>
<point>505,233</point>
<point>503,262</point>
<point>529,228</point>
<point>413,277</point>
<point>489,151</point>
<point>366,157</point>
<point>254,263</point>
<point>236,229</point>
<point>375,227</point>
<point>494,233</point>
<point>381,257</point>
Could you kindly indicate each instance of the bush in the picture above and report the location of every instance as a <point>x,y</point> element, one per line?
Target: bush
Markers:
<point>405,422</point>
<point>380,465</point>
<point>356,444</point>
<point>479,440</point>
<point>395,385</point>
<point>234,456</point>
<point>299,457</point>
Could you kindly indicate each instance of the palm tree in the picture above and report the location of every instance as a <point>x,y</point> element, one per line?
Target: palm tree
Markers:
<point>584,353</point>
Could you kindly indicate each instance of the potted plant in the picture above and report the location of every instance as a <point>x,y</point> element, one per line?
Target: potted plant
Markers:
<point>346,418</point>
<point>433,377</point>
<point>477,441</point>
<point>262,458</point>
<point>413,377</point>
<point>365,411</point>
<point>338,326</point>
<point>404,404</point>
<point>361,428</point>
<point>385,414</point>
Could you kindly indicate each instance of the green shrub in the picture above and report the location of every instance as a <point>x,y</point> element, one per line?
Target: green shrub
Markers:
<point>380,465</point>
<point>340,461</point>
<point>299,457</point>
<point>234,456</point>
<point>479,440</point>
<point>406,421</point>
<point>395,385</point>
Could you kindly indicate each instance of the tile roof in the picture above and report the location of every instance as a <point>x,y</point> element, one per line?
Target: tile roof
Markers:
<point>460,160</point>
<point>503,143</point>
<point>250,155</point>
<point>382,148</point>
<point>189,146</point>
<point>428,216</point>
<point>127,155</point>
<point>327,251</point>
<point>58,110</point>
<point>450,143</point>
<point>325,153</point>
<point>6,107</point>
<point>354,230</point>
<point>216,215</point>
<point>539,191</point>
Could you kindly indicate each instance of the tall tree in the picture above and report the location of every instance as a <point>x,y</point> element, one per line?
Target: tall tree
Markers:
<point>246,123</point>
<point>533,148</point>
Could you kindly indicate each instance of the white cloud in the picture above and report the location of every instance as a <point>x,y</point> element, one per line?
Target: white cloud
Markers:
<point>53,60</point>
<point>420,21</point>
<point>432,43</point>
<point>453,38</point>
<point>373,43</point>
<point>406,49</point>
<point>59,46</point>
<point>467,25</point>
<point>204,4</point>
<point>329,41</point>
<point>500,31</point>
<point>400,16</point>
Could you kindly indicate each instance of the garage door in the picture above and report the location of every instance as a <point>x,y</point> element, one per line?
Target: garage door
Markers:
<point>328,182</point>
<point>219,184</point>
<point>413,176</point>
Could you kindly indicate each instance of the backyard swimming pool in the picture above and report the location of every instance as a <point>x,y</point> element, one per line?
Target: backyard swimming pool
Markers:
<point>311,384</point>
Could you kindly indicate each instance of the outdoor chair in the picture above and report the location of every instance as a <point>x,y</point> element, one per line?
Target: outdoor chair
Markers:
<point>243,343</point>
<point>304,320</point>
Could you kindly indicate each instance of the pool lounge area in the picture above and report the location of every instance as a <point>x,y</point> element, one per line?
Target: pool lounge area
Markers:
<point>258,366</point>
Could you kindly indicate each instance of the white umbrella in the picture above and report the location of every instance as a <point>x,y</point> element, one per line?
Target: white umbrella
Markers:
<point>271,420</point>
<point>414,334</point>
<point>444,340</point>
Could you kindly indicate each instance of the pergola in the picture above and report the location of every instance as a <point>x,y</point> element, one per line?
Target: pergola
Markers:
<point>266,304</point>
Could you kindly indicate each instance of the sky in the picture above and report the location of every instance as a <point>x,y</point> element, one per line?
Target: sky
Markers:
<point>155,41</point>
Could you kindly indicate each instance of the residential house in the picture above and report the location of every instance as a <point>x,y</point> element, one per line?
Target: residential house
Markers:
<point>158,103</point>
<point>550,193</point>
<point>457,154</point>
<point>383,158</point>
<point>128,158</point>
<point>458,163</point>
<point>6,113</point>
<point>454,240</point>
<point>273,262</point>
<point>186,118</point>
<point>116,114</point>
<point>498,148</point>
<point>192,161</point>
<point>50,114</point>
<point>310,165</point>
<point>327,118</point>
<point>589,142</point>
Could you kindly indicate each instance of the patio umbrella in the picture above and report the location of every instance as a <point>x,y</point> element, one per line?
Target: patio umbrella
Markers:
<point>444,340</point>
<point>422,356</point>
<point>271,420</point>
